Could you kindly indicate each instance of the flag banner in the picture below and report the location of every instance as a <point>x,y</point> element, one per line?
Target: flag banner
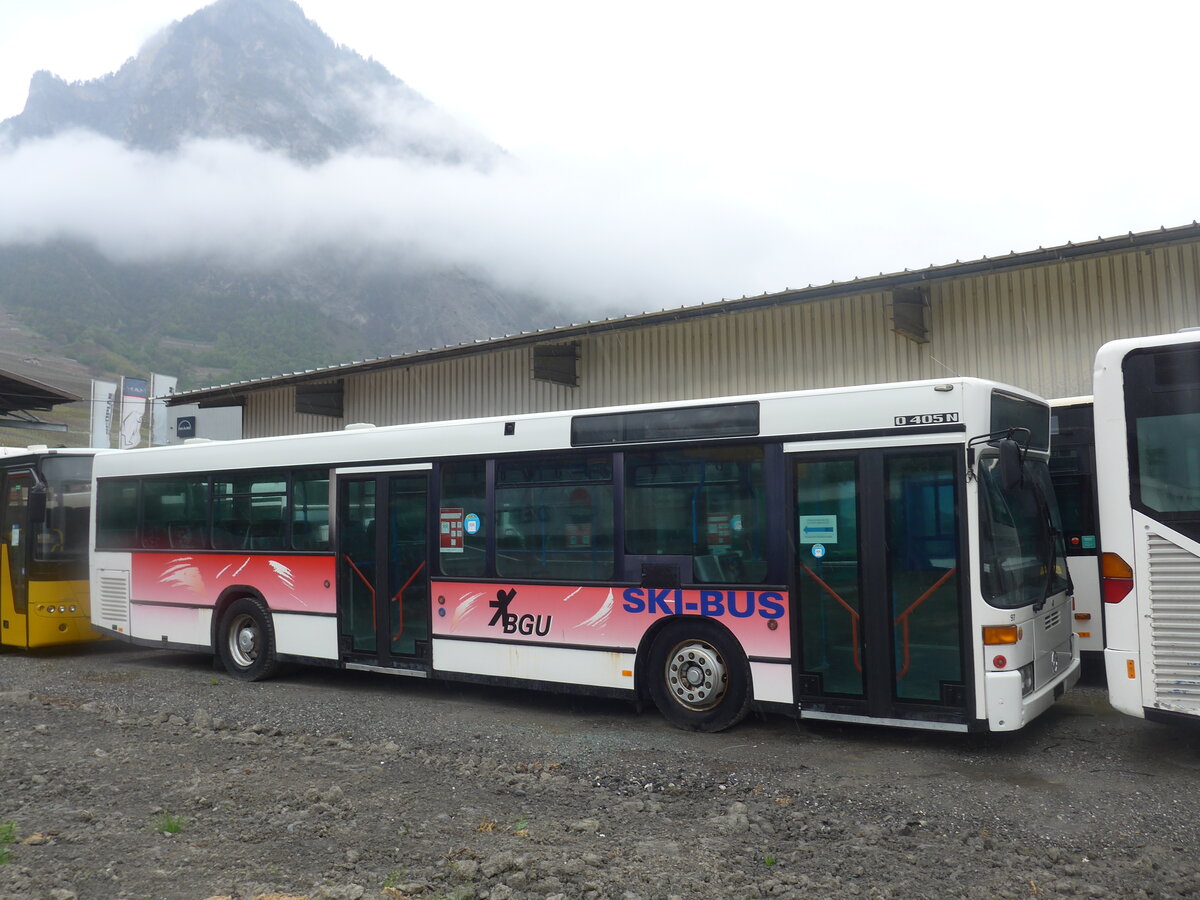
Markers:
<point>134,392</point>
<point>161,387</point>
<point>104,396</point>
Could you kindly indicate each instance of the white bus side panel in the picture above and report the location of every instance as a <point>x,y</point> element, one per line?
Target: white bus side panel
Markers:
<point>311,636</point>
<point>1167,580</point>
<point>596,668</point>
<point>1121,655</point>
<point>772,682</point>
<point>1085,576</point>
<point>172,625</point>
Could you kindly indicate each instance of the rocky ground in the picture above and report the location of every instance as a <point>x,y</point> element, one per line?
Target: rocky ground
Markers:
<point>145,774</point>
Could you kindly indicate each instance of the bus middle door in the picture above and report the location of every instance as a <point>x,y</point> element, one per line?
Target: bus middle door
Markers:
<point>383,573</point>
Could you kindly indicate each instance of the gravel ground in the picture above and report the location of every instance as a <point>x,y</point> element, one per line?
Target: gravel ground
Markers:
<point>146,774</point>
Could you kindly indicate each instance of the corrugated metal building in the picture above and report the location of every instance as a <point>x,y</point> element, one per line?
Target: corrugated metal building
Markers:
<point>1032,319</point>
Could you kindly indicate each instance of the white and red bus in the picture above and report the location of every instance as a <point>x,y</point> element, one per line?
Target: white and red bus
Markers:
<point>884,554</point>
<point>1147,409</point>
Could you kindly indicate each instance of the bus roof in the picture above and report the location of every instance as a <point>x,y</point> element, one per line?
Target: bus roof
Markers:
<point>808,415</point>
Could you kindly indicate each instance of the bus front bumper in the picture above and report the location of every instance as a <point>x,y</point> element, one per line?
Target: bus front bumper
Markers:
<point>1007,710</point>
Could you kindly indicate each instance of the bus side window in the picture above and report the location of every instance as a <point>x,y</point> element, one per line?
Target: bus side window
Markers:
<point>463,493</point>
<point>310,510</point>
<point>555,518</point>
<point>116,514</point>
<point>706,503</point>
<point>175,512</point>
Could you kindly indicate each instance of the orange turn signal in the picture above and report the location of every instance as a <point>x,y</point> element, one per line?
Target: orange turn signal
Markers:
<point>1001,634</point>
<point>1112,566</point>
<point>1116,578</point>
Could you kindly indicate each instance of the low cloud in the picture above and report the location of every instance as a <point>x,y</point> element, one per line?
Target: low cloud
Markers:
<point>599,236</point>
<point>623,238</point>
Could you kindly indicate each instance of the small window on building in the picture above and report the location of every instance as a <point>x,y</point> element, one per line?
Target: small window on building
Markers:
<point>910,314</point>
<point>325,399</point>
<point>557,363</point>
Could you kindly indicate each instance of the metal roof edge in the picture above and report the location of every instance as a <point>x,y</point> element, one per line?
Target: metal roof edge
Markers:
<point>859,285</point>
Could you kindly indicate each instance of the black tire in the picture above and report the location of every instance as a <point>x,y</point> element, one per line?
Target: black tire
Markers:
<point>698,676</point>
<point>246,641</point>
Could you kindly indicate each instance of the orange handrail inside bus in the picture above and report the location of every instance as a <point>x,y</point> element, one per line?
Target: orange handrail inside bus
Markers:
<point>399,593</point>
<point>367,582</point>
<point>846,606</point>
<point>902,619</point>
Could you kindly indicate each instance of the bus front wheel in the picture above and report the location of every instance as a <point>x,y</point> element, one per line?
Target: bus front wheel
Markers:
<point>699,678</point>
<point>246,642</point>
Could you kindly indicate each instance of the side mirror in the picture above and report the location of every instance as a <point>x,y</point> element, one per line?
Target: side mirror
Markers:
<point>1011,474</point>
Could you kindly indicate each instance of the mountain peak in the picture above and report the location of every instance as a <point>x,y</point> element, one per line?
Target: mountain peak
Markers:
<point>257,70</point>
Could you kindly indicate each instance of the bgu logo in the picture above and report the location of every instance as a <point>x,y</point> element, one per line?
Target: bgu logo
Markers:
<point>511,623</point>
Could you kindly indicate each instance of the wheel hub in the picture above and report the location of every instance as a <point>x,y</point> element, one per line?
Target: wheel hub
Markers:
<point>244,638</point>
<point>696,675</point>
<point>246,641</point>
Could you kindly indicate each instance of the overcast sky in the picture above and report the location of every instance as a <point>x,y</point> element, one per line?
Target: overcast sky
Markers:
<point>715,149</point>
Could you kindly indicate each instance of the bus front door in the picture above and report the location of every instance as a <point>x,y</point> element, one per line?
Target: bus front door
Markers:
<point>876,550</point>
<point>383,577</point>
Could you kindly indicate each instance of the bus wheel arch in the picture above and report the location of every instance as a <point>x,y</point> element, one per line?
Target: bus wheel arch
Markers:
<point>244,635</point>
<point>696,673</point>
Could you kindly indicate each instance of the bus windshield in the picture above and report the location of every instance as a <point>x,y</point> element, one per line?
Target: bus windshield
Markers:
<point>1022,551</point>
<point>63,531</point>
<point>1168,461</point>
<point>1162,409</point>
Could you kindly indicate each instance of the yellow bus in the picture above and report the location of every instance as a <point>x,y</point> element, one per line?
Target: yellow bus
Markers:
<point>45,504</point>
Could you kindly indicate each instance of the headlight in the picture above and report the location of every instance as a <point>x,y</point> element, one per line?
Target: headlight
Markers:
<point>1026,679</point>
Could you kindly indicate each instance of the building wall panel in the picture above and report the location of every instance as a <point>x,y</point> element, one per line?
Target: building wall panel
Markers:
<point>1037,327</point>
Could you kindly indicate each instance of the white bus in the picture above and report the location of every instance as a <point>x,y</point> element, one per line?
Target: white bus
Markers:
<point>883,554</point>
<point>1147,408</point>
<point>1073,473</point>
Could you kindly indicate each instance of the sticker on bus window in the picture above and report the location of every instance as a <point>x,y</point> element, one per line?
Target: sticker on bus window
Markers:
<point>578,535</point>
<point>471,524</point>
<point>818,529</point>
<point>720,530</point>
<point>818,550</point>
<point>451,530</point>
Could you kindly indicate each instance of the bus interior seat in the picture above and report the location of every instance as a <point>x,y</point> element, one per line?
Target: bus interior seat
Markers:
<point>186,535</point>
<point>304,536</point>
<point>155,538</point>
<point>706,569</point>
<point>266,535</point>
<point>230,534</point>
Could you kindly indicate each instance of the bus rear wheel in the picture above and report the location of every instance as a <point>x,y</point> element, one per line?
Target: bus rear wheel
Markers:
<point>246,641</point>
<point>699,677</point>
